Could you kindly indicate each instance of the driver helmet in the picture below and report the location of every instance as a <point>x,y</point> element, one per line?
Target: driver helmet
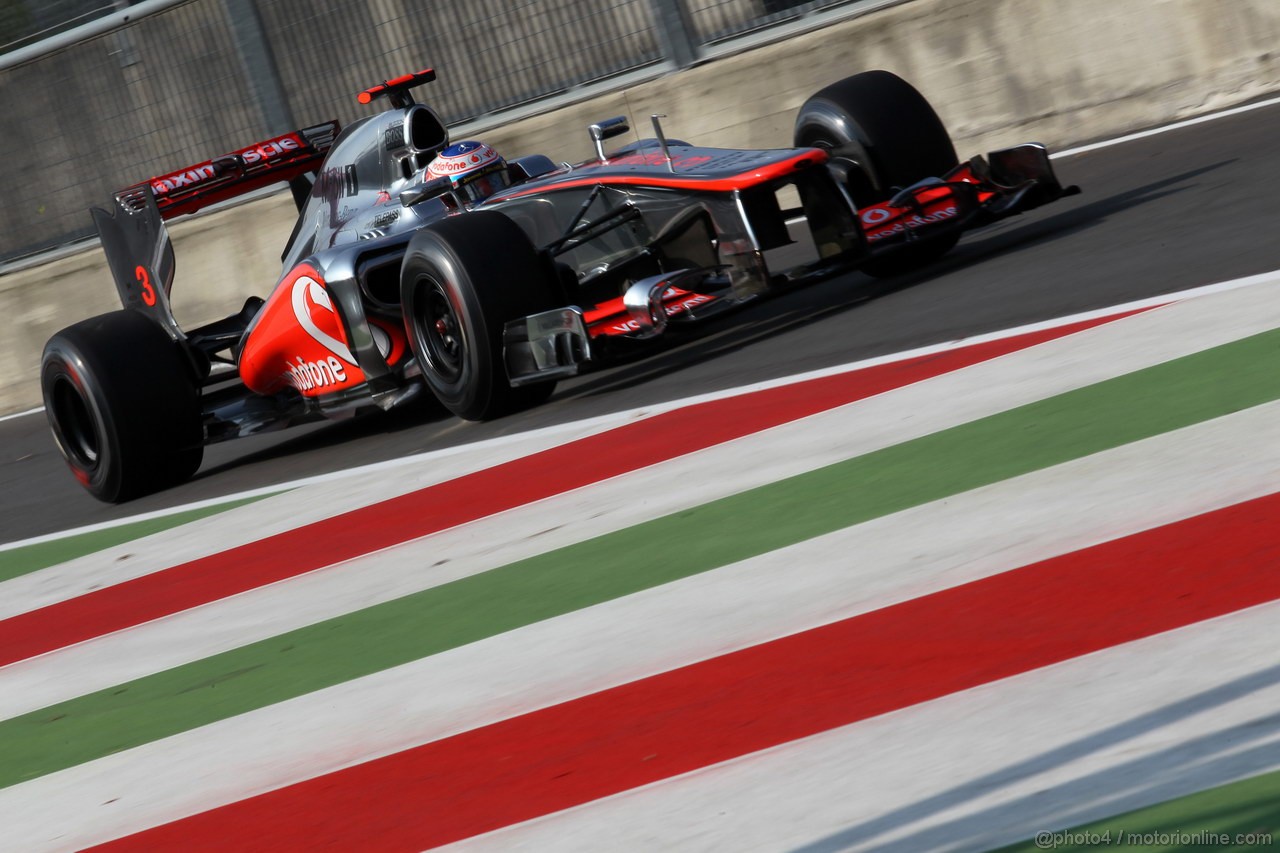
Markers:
<point>474,169</point>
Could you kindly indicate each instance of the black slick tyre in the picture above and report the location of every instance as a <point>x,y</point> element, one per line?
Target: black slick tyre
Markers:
<point>463,279</point>
<point>881,135</point>
<point>879,124</point>
<point>123,404</point>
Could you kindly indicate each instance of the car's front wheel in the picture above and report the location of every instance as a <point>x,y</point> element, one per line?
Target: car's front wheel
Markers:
<point>463,279</point>
<point>881,135</point>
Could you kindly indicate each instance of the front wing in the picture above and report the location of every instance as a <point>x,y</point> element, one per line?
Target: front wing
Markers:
<point>979,192</point>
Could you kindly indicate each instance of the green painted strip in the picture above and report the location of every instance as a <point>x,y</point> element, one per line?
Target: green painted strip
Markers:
<point>30,558</point>
<point>1244,815</point>
<point>1122,410</point>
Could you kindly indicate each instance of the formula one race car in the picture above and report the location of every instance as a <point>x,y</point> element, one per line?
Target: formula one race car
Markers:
<point>417,266</point>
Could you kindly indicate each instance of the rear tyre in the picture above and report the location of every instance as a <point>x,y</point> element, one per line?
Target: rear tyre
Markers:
<point>881,135</point>
<point>463,279</point>
<point>123,404</point>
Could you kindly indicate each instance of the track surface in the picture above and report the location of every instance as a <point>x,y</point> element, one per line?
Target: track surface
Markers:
<point>1158,214</point>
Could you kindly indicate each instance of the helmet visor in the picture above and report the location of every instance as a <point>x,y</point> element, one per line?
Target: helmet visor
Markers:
<point>478,188</point>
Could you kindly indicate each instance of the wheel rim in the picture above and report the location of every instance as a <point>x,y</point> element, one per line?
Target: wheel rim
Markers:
<point>77,432</point>
<point>848,163</point>
<point>440,331</point>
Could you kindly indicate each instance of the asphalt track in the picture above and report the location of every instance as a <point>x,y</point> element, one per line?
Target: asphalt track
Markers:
<point>1158,214</point>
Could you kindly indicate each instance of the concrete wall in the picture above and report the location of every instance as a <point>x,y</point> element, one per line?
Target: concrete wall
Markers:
<point>998,71</point>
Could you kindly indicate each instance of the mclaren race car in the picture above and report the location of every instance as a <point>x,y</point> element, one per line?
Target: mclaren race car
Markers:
<point>420,267</point>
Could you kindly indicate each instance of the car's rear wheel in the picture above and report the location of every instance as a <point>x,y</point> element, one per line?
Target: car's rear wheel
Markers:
<point>881,135</point>
<point>123,405</point>
<point>463,279</point>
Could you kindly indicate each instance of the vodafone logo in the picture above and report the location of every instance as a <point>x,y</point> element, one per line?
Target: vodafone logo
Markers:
<point>449,167</point>
<point>913,223</point>
<point>315,314</point>
<point>875,215</point>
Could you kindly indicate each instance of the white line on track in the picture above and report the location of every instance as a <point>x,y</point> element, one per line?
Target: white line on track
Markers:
<point>1156,131</point>
<point>15,415</point>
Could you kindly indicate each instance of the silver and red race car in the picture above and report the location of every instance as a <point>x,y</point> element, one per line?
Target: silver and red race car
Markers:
<point>407,275</point>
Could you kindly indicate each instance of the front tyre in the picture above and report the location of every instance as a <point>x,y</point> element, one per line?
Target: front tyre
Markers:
<point>879,130</point>
<point>881,135</point>
<point>463,279</point>
<point>123,405</point>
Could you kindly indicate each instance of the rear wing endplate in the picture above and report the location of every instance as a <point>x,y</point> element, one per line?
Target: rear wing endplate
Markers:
<point>279,159</point>
<point>140,256</point>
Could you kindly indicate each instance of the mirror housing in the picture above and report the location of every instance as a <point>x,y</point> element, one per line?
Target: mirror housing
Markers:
<point>607,129</point>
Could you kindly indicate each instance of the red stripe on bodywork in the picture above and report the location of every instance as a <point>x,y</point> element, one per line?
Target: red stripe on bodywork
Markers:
<point>502,487</point>
<point>612,319</point>
<point>670,180</point>
<point>763,696</point>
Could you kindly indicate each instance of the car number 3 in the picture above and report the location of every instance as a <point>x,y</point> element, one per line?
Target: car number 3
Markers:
<point>148,292</point>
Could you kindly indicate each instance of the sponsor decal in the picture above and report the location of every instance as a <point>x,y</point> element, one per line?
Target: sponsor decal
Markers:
<point>178,180</point>
<point>316,315</point>
<point>299,339</point>
<point>875,215</point>
<point>449,167</point>
<point>307,375</point>
<point>269,149</point>
<point>201,172</point>
<point>314,311</point>
<point>393,136</point>
<point>336,182</point>
<point>915,221</point>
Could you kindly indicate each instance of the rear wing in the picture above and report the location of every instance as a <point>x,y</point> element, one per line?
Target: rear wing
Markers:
<point>279,159</point>
<point>133,234</point>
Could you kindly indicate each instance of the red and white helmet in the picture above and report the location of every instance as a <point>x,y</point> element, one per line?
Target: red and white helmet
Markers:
<point>475,170</point>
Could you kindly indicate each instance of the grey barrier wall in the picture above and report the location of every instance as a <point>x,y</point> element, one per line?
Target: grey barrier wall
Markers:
<point>184,81</point>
